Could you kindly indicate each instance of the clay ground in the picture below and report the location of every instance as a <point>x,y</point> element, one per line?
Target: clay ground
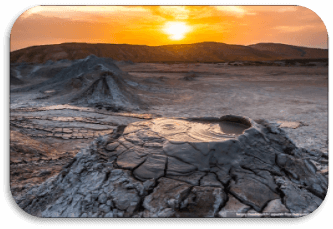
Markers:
<point>276,93</point>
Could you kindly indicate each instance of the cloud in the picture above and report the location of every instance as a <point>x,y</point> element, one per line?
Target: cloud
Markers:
<point>79,12</point>
<point>170,12</point>
<point>291,29</point>
<point>178,12</point>
<point>270,9</point>
<point>282,9</point>
<point>238,11</point>
<point>233,9</point>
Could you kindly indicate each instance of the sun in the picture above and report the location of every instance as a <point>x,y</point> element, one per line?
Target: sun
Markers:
<point>176,30</point>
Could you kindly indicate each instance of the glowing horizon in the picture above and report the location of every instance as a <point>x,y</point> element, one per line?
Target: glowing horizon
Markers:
<point>164,25</point>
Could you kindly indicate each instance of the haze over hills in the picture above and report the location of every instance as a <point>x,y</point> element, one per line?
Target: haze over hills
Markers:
<point>198,52</point>
<point>289,51</point>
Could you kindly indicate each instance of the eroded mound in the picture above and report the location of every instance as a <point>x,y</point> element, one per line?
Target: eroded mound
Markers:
<point>90,81</point>
<point>105,90</point>
<point>185,168</point>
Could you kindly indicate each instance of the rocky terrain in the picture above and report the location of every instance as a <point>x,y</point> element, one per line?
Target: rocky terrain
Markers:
<point>96,137</point>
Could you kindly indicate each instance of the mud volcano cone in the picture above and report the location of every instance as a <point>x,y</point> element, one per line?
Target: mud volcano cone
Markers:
<point>107,90</point>
<point>206,167</point>
<point>93,81</point>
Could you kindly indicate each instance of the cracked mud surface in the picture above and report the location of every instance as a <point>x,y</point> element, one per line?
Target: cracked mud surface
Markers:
<point>44,139</point>
<point>139,171</point>
<point>135,158</point>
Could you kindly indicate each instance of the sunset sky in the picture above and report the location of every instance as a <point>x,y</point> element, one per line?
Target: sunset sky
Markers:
<point>161,25</point>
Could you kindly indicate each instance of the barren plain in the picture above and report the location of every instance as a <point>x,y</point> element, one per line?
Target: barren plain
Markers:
<point>276,93</point>
<point>59,108</point>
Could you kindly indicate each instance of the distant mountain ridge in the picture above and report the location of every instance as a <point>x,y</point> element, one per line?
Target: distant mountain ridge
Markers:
<point>198,52</point>
<point>290,51</point>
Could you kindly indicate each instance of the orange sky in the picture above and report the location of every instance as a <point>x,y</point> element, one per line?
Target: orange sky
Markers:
<point>148,25</point>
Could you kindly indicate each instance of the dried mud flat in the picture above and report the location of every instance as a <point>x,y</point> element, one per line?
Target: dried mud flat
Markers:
<point>296,96</point>
<point>50,125</point>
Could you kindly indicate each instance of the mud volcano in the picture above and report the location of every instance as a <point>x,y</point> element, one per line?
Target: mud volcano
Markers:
<point>203,167</point>
<point>93,81</point>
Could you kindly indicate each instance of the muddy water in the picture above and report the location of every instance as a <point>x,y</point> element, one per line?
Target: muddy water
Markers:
<point>216,131</point>
<point>198,131</point>
<point>232,128</point>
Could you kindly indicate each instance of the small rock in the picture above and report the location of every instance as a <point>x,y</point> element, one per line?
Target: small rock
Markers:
<point>275,206</point>
<point>112,146</point>
<point>109,203</point>
<point>105,208</point>
<point>166,213</point>
<point>115,212</point>
<point>173,203</point>
<point>102,198</point>
<point>233,207</point>
<point>210,180</point>
<point>248,189</point>
<point>88,198</point>
<point>149,184</point>
<point>138,215</point>
<point>108,215</point>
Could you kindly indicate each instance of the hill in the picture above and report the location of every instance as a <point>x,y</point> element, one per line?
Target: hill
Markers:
<point>198,52</point>
<point>291,52</point>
